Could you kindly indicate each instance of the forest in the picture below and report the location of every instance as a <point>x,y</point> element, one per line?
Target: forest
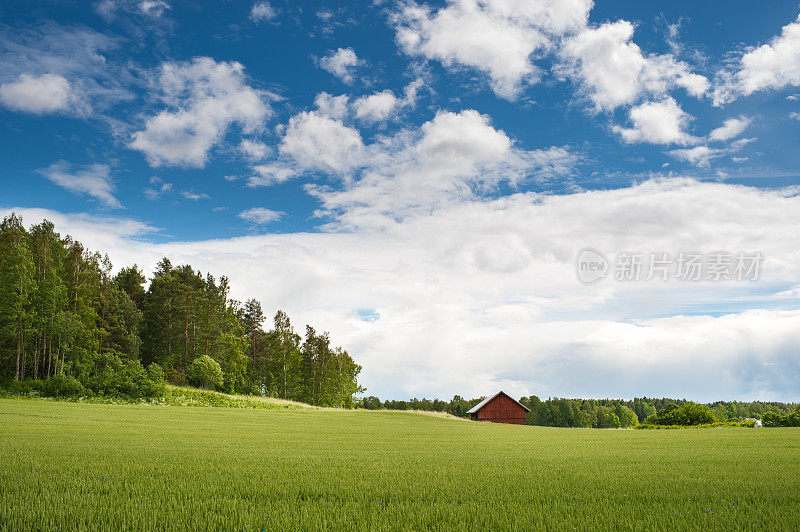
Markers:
<point>69,327</point>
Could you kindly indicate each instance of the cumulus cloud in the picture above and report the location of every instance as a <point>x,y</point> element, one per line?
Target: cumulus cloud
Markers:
<point>262,11</point>
<point>774,65</point>
<point>93,180</point>
<point>483,295</point>
<point>376,107</point>
<point>253,149</point>
<point>499,38</point>
<point>260,215</point>
<point>453,157</point>
<point>731,128</point>
<point>341,63</point>
<point>335,107</point>
<point>205,99</point>
<point>317,142</point>
<point>267,175</point>
<point>612,71</point>
<point>48,93</point>
<point>657,123</point>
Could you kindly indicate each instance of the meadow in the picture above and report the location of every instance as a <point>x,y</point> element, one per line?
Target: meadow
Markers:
<point>73,466</point>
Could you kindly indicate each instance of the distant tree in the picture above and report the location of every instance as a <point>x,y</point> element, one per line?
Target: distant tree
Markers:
<point>253,318</point>
<point>206,372</point>
<point>607,419</point>
<point>371,403</point>
<point>687,414</point>
<point>773,419</point>
<point>626,416</point>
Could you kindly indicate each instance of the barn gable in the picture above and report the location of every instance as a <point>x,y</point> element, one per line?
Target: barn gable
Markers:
<point>499,408</point>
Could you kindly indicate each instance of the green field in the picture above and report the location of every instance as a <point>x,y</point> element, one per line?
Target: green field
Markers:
<point>97,466</point>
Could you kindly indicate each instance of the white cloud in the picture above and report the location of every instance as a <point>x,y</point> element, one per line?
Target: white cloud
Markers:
<point>612,71</point>
<point>499,38</point>
<point>267,175</point>
<point>194,196</point>
<point>453,157</point>
<point>206,98</point>
<point>376,107</point>
<point>93,180</point>
<point>483,295</point>
<point>262,11</point>
<point>731,128</point>
<point>153,8</point>
<point>51,68</point>
<point>657,123</point>
<point>159,188</point>
<point>699,155</point>
<point>317,142</point>
<point>260,216</point>
<point>770,66</point>
<point>341,63</point>
<point>48,93</point>
<point>702,155</point>
<point>253,149</point>
<point>335,107</point>
<point>794,115</point>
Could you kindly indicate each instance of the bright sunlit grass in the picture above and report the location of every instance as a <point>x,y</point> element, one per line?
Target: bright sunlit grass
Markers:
<point>98,466</point>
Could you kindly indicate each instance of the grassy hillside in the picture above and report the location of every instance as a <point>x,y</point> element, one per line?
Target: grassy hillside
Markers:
<point>67,465</point>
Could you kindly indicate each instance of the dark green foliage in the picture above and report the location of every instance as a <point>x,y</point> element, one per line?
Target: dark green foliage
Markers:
<point>688,415</point>
<point>65,319</point>
<point>63,386</point>
<point>773,419</point>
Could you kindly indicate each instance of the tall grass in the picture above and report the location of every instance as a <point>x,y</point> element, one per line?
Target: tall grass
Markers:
<point>98,466</point>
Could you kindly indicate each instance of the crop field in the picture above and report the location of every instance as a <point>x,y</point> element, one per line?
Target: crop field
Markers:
<point>74,466</point>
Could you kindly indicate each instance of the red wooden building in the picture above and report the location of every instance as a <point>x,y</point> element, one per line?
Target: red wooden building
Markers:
<point>499,408</point>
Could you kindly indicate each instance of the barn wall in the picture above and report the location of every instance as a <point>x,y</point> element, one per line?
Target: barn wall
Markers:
<point>502,409</point>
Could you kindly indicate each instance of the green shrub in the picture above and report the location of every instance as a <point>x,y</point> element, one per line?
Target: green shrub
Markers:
<point>63,386</point>
<point>156,385</point>
<point>205,371</point>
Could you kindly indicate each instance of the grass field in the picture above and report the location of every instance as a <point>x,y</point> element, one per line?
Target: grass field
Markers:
<point>97,466</point>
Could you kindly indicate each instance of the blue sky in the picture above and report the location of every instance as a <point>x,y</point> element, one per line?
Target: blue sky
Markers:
<point>418,177</point>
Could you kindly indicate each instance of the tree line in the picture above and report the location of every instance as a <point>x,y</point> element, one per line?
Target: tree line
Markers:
<point>70,327</point>
<point>611,413</point>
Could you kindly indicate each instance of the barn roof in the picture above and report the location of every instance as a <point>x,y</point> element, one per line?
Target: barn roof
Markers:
<point>486,401</point>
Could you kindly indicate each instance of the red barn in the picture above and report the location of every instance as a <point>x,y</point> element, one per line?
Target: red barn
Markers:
<point>499,408</point>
